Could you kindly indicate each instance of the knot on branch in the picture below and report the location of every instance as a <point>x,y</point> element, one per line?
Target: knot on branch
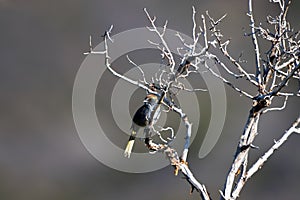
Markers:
<point>260,102</point>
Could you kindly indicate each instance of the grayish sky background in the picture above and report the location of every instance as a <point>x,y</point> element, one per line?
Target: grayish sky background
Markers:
<point>41,156</point>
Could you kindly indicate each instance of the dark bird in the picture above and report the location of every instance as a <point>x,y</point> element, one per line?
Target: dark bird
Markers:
<point>183,68</point>
<point>143,117</point>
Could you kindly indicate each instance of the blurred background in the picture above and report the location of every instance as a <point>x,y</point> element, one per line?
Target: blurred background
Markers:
<point>41,155</point>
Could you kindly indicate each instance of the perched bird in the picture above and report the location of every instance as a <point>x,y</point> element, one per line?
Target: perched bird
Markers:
<point>183,67</point>
<point>148,113</point>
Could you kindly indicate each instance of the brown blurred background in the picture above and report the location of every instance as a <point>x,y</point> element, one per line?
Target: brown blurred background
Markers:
<point>41,156</point>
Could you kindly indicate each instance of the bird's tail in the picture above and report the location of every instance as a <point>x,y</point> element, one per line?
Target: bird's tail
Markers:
<point>130,144</point>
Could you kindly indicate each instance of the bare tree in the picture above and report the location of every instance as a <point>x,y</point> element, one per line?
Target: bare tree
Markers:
<point>273,72</point>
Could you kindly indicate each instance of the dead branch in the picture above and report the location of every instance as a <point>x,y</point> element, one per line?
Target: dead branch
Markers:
<point>273,73</point>
<point>255,43</point>
<point>165,49</point>
<point>261,161</point>
<point>268,90</point>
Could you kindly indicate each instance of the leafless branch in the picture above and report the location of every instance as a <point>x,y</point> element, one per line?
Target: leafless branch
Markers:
<point>107,64</point>
<point>223,47</point>
<point>139,68</point>
<point>182,87</point>
<point>219,62</point>
<point>260,162</point>
<point>180,163</point>
<point>273,73</point>
<point>204,32</point>
<point>278,108</point>
<point>165,50</point>
<point>278,59</point>
<point>168,129</point>
<point>255,43</point>
<point>91,51</point>
<point>228,83</point>
<point>283,83</point>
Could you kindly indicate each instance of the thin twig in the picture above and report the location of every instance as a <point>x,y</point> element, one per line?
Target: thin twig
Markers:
<point>167,50</point>
<point>222,47</point>
<point>278,108</point>
<point>204,32</point>
<point>184,88</point>
<point>107,64</point>
<point>139,68</point>
<point>285,80</point>
<point>228,83</point>
<point>255,43</point>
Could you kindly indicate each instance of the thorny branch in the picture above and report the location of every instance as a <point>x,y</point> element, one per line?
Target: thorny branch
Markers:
<point>223,47</point>
<point>260,162</point>
<point>180,163</point>
<point>165,48</point>
<point>274,70</point>
<point>268,89</point>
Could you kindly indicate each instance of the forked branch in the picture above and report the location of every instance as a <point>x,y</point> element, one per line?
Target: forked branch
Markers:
<point>272,75</point>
